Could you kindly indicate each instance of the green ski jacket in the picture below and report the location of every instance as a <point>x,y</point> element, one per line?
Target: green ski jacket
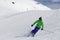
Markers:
<point>39,23</point>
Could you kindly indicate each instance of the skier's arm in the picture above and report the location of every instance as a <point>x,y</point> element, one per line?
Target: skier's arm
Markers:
<point>42,26</point>
<point>34,23</point>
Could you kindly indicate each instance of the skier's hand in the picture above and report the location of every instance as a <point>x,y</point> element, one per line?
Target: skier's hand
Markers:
<point>31,25</point>
<point>41,28</point>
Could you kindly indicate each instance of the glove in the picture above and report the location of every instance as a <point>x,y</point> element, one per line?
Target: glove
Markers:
<point>41,28</point>
<point>31,25</point>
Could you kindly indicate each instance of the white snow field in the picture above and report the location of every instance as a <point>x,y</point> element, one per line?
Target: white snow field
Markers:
<point>22,5</point>
<point>16,20</point>
<point>17,26</point>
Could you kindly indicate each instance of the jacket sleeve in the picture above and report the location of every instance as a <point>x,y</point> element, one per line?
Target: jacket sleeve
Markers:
<point>42,25</point>
<point>35,22</point>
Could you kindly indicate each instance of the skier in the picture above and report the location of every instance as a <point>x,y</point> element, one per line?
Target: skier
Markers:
<point>39,25</point>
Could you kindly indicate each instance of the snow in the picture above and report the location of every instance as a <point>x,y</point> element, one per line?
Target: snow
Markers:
<point>15,24</point>
<point>19,24</point>
<point>22,5</point>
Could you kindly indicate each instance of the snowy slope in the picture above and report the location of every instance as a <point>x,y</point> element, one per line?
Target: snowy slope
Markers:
<point>22,5</point>
<point>7,8</point>
<point>19,24</point>
<point>16,20</point>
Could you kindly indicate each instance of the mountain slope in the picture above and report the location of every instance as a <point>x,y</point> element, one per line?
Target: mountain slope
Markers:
<point>20,24</point>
